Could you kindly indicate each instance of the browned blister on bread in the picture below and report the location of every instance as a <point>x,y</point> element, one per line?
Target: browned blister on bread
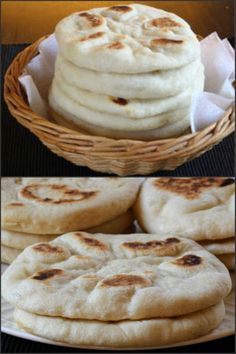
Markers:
<point>167,247</point>
<point>91,242</point>
<point>47,274</point>
<point>188,260</point>
<point>164,22</point>
<point>191,188</point>
<point>121,8</point>
<point>92,20</point>
<point>67,195</point>
<point>125,280</point>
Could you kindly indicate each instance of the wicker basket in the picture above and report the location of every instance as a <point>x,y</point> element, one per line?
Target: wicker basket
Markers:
<point>122,157</point>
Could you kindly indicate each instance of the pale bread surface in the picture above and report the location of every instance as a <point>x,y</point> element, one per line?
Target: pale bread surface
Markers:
<point>124,334</point>
<point>22,240</point>
<point>220,246</point>
<point>169,130</point>
<point>160,84</point>
<point>136,276</point>
<point>128,39</point>
<point>131,108</point>
<point>61,102</point>
<point>196,208</point>
<point>57,205</point>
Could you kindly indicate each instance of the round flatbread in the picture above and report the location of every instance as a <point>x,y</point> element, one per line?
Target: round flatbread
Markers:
<point>127,39</point>
<point>220,246</point>
<point>136,276</point>
<point>59,102</point>
<point>228,260</point>
<point>56,205</point>
<point>196,208</point>
<point>21,240</point>
<point>160,84</point>
<point>8,254</point>
<point>131,108</point>
<point>124,334</point>
<point>169,130</point>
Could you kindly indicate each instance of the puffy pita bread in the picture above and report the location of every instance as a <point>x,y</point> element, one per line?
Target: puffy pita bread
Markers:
<point>21,240</point>
<point>169,130</point>
<point>8,254</point>
<point>56,205</point>
<point>197,208</point>
<point>159,84</point>
<point>220,246</point>
<point>133,108</point>
<point>136,276</point>
<point>127,39</point>
<point>124,334</point>
<point>228,260</point>
<point>60,102</point>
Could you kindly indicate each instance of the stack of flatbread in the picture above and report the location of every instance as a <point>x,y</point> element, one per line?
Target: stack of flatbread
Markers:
<point>201,209</point>
<point>39,209</point>
<point>126,71</point>
<point>126,291</point>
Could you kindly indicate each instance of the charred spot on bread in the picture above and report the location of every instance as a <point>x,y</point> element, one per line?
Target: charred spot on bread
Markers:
<point>91,242</point>
<point>92,19</point>
<point>47,274</point>
<point>121,8</point>
<point>150,244</point>
<point>47,248</point>
<point>188,260</point>
<point>31,192</point>
<point>190,188</point>
<point>120,101</point>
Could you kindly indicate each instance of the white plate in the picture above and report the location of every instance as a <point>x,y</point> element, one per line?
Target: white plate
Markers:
<point>226,328</point>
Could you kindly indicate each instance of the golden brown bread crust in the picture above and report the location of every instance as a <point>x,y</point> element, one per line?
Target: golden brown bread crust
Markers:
<point>190,188</point>
<point>92,19</point>
<point>121,8</point>
<point>47,274</point>
<point>92,243</point>
<point>124,280</point>
<point>31,192</point>
<point>47,248</point>
<point>164,22</point>
<point>159,248</point>
<point>188,260</point>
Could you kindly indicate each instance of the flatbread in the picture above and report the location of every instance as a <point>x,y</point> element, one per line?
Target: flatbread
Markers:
<point>169,130</point>
<point>228,260</point>
<point>220,246</point>
<point>56,205</point>
<point>8,254</point>
<point>21,240</point>
<point>132,108</point>
<point>136,276</point>
<point>127,39</point>
<point>124,334</point>
<point>60,102</point>
<point>159,84</point>
<point>196,208</point>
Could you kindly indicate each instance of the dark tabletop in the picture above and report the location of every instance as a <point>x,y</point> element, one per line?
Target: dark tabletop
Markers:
<point>24,155</point>
<point>12,344</point>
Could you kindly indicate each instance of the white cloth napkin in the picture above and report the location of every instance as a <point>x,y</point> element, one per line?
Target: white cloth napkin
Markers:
<point>218,58</point>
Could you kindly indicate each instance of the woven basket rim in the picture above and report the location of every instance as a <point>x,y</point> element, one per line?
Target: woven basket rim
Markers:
<point>55,125</point>
<point>120,156</point>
